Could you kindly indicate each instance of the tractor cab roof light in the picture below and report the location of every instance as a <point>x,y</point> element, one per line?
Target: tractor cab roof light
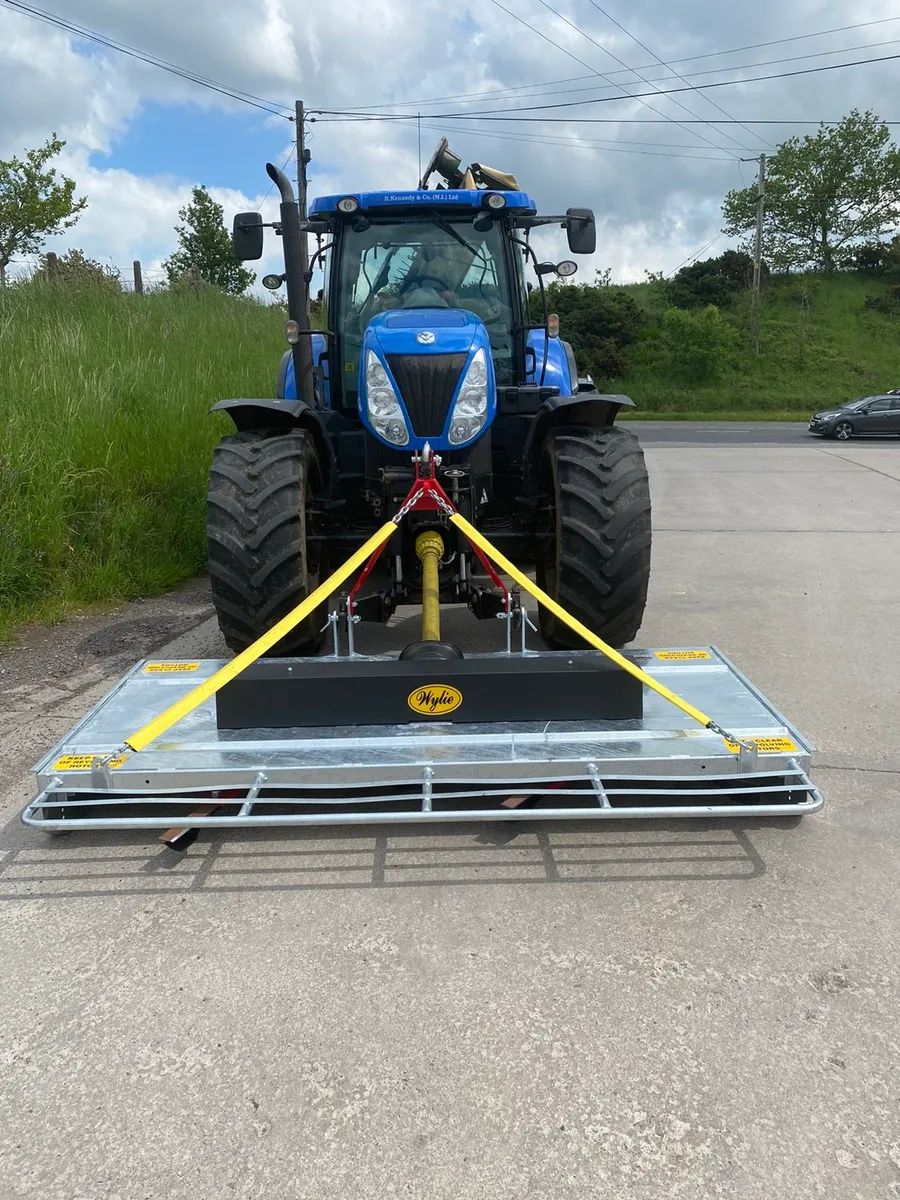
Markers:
<point>348,205</point>
<point>494,200</point>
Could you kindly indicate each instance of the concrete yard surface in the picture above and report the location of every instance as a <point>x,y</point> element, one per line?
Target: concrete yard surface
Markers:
<point>568,1012</point>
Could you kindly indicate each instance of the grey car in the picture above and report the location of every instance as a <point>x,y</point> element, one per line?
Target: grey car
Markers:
<point>870,415</point>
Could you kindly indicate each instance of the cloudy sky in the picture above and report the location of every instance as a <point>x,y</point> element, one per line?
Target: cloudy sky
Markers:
<point>139,137</point>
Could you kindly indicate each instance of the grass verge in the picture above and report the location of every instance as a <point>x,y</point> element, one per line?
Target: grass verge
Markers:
<point>103,402</point>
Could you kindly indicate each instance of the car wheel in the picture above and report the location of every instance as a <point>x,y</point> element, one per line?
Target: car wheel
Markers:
<point>843,432</point>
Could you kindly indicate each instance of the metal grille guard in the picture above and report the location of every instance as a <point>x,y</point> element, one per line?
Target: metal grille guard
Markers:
<point>603,798</point>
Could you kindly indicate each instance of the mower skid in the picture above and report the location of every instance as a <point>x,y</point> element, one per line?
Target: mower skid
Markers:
<point>202,776</point>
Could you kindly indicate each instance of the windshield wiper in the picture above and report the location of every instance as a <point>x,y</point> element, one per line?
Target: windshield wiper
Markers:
<point>448,228</point>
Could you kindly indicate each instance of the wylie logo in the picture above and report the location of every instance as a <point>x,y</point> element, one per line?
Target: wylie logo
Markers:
<point>435,699</point>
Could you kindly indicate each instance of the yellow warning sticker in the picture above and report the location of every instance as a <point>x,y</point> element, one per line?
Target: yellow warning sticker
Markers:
<point>681,655</point>
<point>776,745</point>
<point>435,699</point>
<point>84,762</point>
<point>170,668</point>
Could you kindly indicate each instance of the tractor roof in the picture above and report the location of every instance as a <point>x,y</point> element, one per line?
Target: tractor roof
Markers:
<point>373,202</point>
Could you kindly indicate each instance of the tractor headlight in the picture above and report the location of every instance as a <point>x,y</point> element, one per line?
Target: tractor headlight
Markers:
<point>471,408</point>
<point>385,413</point>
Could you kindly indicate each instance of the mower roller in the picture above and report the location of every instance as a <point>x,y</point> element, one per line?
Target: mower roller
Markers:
<point>430,446</point>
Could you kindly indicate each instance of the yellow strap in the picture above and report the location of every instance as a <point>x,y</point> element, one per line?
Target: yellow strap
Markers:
<point>165,721</point>
<point>591,638</point>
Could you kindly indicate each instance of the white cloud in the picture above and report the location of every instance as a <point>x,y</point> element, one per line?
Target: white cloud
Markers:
<point>654,210</point>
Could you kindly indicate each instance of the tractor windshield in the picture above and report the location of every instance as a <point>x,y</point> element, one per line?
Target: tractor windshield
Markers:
<point>428,262</point>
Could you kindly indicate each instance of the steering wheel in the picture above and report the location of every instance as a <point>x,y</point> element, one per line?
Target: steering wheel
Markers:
<point>420,279</point>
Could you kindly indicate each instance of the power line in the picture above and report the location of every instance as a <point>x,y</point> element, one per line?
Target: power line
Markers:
<point>338,119</point>
<point>248,98</point>
<point>579,145</point>
<point>772,62</point>
<point>622,63</point>
<point>575,57</point>
<point>683,78</point>
<point>496,92</point>
<point>661,78</point>
<point>492,114</point>
<point>798,37</point>
<point>692,257</point>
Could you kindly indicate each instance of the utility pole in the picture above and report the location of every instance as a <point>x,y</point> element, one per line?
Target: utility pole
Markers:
<point>303,157</point>
<point>757,252</point>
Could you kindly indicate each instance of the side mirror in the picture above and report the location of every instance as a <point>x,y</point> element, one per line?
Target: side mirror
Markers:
<point>247,236</point>
<point>581,230</point>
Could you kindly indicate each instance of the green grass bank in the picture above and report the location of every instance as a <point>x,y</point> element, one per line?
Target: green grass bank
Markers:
<point>106,438</point>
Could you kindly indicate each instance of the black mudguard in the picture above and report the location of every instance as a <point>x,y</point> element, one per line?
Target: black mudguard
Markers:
<point>586,408</point>
<point>282,414</point>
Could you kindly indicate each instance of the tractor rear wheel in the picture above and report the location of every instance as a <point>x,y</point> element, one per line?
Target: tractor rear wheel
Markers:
<point>260,485</point>
<point>599,565</point>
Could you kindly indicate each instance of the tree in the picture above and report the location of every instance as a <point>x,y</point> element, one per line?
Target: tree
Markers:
<point>714,281</point>
<point>34,203</point>
<point>601,323</point>
<point>205,253</point>
<point>825,193</point>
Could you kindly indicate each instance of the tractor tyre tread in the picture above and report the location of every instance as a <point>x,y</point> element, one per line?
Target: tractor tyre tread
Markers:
<point>601,567</point>
<point>259,485</point>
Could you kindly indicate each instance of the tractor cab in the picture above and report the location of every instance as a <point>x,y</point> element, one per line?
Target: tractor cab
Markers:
<point>419,284</point>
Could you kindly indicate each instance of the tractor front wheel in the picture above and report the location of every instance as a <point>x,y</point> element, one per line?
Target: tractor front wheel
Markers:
<point>260,485</point>
<point>598,568</point>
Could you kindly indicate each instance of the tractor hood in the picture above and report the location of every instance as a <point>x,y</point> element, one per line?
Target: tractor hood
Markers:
<point>426,375</point>
<point>422,330</point>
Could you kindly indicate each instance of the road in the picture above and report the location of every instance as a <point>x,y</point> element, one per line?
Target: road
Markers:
<point>722,433</point>
<point>654,1011</point>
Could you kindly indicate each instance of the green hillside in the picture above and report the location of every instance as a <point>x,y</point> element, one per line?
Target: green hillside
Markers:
<point>819,343</point>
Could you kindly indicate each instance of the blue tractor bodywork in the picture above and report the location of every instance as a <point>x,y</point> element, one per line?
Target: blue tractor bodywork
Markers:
<point>561,371</point>
<point>427,355</point>
<point>376,203</point>
<point>427,338</point>
<point>286,386</point>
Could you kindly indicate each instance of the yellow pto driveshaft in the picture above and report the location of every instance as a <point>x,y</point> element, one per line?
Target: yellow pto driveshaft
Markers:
<point>430,551</point>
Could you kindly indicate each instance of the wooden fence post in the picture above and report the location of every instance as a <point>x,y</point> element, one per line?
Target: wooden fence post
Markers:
<point>138,278</point>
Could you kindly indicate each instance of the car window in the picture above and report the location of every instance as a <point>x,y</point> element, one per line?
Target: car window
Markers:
<point>895,404</point>
<point>879,406</point>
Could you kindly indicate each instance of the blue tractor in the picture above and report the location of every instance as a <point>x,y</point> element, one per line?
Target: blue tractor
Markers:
<point>427,348</point>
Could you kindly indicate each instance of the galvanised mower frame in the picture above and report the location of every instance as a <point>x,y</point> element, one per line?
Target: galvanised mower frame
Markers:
<point>183,771</point>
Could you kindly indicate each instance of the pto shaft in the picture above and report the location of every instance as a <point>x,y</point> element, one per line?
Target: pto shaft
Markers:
<point>430,551</point>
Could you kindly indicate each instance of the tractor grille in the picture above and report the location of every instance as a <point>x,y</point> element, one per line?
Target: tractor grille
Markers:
<point>427,384</point>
